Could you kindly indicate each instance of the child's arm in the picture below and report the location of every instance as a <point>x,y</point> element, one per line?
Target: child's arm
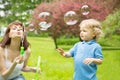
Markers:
<point>93,60</point>
<point>63,53</point>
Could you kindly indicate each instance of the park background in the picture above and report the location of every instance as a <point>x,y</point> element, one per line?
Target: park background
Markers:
<point>44,43</point>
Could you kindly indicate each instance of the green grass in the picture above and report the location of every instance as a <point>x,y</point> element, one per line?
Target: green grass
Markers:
<point>56,67</point>
<point>110,68</point>
<point>53,65</point>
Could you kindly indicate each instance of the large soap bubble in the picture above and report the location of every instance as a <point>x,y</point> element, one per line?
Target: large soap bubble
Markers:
<point>71,18</point>
<point>45,20</point>
<point>85,10</point>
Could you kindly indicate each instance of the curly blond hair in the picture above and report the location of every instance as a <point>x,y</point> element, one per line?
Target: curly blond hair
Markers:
<point>94,25</point>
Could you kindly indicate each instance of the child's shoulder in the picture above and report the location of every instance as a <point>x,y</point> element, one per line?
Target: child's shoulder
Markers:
<point>97,45</point>
<point>78,42</point>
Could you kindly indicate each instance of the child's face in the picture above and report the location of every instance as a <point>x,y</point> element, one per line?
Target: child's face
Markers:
<point>86,33</point>
<point>16,31</point>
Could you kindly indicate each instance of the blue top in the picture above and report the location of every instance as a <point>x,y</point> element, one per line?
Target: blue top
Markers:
<point>80,51</point>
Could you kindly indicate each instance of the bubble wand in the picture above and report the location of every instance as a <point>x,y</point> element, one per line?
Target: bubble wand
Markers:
<point>38,66</point>
<point>22,48</point>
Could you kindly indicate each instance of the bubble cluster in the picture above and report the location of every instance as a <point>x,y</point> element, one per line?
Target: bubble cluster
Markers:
<point>45,20</point>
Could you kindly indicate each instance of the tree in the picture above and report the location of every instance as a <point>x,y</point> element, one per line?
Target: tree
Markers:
<point>97,10</point>
<point>17,10</point>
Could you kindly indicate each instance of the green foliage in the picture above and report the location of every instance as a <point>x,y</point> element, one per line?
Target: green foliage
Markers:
<point>32,34</point>
<point>67,40</point>
<point>113,41</point>
<point>15,9</point>
<point>111,25</point>
<point>111,28</point>
<point>104,42</point>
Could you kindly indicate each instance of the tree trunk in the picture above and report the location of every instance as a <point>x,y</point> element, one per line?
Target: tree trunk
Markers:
<point>55,42</point>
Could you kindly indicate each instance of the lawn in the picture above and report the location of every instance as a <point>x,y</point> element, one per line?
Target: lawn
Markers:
<point>56,67</point>
<point>53,65</point>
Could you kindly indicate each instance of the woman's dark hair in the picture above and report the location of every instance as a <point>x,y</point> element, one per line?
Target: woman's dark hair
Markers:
<point>6,40</point>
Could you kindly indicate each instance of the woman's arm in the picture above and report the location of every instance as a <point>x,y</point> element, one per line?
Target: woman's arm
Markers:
<point>3,70</point>
<point>26,57</point>
<point>8,71</point>
<point>28,68</point>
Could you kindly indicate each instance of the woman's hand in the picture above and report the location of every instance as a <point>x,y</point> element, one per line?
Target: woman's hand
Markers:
<point>32,69</point>
<point>18,59</point>
<point>35,69</point>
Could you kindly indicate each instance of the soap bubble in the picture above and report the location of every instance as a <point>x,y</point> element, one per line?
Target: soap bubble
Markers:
<point>85,10</point>
<point>31,27</point>
<point>45,20</point>
<point>71,18</point>
<point>44,25</point>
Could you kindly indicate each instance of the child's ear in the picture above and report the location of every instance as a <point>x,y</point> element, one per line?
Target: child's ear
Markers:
<point>94,35</point>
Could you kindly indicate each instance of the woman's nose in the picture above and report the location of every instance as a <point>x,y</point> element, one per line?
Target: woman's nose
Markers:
<point>18,29</point>
<point>80,32</point>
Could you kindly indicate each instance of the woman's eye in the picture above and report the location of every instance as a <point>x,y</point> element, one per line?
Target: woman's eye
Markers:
<point>14,28</point>
<point>21,28</point>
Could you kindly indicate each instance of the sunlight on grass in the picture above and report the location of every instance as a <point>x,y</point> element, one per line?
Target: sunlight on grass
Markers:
<point>56,67</point>
<point>110,68</point>
<point>53,65</point>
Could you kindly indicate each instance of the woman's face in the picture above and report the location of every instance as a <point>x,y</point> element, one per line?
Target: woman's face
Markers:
<point>86,33</point>
<point>16,31</point>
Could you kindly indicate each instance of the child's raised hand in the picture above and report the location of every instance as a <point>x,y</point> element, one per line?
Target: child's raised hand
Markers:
<point>60,50</point>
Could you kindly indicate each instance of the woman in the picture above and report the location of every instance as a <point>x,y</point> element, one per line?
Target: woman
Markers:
<point>11,62</point>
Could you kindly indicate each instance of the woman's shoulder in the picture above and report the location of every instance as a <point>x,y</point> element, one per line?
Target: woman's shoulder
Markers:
<point>1,49</point>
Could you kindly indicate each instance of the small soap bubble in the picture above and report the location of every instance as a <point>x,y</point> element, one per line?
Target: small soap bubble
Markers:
<point>44,25</point>
<point>31,27</point>
<point>71,18</point>
<point>85,10</point>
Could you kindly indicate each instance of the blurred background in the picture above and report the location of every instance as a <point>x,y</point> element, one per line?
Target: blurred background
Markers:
<point>51,24</point>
